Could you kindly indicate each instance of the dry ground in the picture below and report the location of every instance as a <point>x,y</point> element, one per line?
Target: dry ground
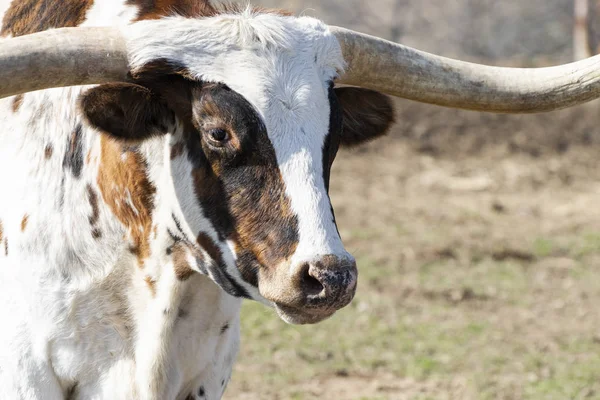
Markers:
<point>478,242</point>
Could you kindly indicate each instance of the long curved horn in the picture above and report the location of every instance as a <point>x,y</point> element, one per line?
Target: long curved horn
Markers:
<point>401,71</point>
<point>61,57</point>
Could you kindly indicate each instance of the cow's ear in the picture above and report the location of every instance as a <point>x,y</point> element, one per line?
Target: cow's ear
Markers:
<point>367,114</point>
<point>127,111</point>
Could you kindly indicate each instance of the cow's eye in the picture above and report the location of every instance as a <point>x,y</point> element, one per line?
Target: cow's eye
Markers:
<point>218,136</point>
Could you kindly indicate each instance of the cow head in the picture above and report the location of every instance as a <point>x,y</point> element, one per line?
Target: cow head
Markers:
<point>248,106</point>
<point>255,124</point>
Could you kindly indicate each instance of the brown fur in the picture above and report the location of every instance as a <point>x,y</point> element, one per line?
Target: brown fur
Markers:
<point>254,229</point>
<point>73,160</point>
<point>48,151</point>
<point>93,199</point>
<point>115,177</point>
<point>183,270</point>
<point>210,247</point>
<point>24,222</point>
<point>29,16</point>
<point>154,9</point>
<point>17,102</point>
<point>151,283</point>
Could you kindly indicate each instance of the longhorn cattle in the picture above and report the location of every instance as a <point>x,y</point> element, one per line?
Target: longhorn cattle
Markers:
<point>163,159</point>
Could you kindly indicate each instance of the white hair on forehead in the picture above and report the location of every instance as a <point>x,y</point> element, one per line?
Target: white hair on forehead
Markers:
<point>197,42</point>
<point>250,27</point>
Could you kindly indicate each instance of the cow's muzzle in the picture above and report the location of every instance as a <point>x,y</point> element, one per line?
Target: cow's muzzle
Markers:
<point>314,290</point>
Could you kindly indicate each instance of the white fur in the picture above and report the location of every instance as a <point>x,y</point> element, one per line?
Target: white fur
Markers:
<point>116,12</point>
<point>77,313</point>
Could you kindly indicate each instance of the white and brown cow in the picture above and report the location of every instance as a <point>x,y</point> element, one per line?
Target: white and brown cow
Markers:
<point>136,214</point>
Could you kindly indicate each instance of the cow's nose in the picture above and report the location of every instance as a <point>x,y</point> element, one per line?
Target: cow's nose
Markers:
<point>327,282</point>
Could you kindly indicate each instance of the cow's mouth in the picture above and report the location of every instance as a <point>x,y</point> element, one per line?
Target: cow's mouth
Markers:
<point>300,316</point>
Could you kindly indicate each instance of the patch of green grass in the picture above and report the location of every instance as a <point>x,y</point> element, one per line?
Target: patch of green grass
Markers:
<point>589,243</point>
<point>506,279</point>
<point>370,271</point>
<point>372,398</point>
<point>360,342</point>
<point>476,328</point>
<point>543,247</point>
<point>424,366</point>
<point>568,378</point>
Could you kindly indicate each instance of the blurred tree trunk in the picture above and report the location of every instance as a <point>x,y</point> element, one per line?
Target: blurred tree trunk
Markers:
<point>585,31</point>
<point>395,26</point>
<point>593,30</point>
<point>581,45</point>
<point>585,34</point>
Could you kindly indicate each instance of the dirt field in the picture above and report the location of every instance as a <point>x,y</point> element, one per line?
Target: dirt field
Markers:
<point>477,237</point>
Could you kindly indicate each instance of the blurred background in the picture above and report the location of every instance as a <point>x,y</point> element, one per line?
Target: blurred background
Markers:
<point>477,235</point>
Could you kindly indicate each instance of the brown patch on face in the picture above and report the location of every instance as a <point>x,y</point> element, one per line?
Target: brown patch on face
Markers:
<point>126,189</point>
<point>183,270</point>
<point>17,102</point>
<point>239,184</point>
<point>24,222</point>
<point>48,151</point>
<point>29,16</point>
<point>151,283</point>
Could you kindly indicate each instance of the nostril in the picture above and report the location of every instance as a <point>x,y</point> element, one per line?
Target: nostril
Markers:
<point>310,284</point>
